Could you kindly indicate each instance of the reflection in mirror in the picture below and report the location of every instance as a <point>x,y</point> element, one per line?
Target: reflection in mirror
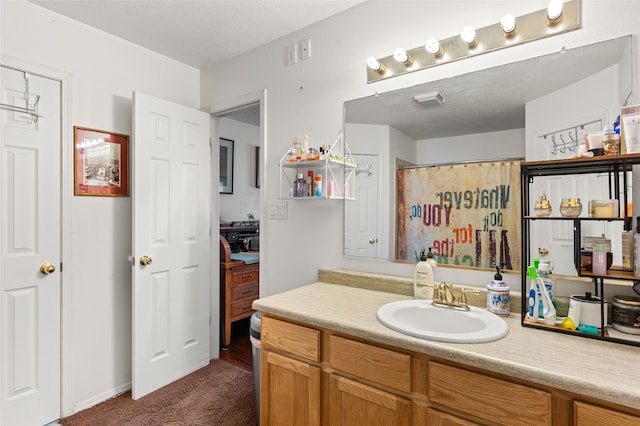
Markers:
<point>501,112</point>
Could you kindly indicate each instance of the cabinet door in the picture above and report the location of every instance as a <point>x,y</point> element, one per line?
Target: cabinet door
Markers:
<point>587,415</point>
<point>352,403</point>
<point>289,391</point>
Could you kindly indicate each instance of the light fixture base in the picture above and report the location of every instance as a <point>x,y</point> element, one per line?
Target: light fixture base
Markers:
<point>530,27</point>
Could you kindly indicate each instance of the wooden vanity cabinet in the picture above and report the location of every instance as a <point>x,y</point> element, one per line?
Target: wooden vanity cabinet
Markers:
<point>290,384</point>
<point>314,376</point>
<point>239,287</point>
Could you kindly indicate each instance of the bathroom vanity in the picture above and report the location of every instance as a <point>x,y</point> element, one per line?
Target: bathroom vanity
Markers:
<point>327,360</point>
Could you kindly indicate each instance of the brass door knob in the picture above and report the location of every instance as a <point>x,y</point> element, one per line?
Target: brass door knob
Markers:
<point>145,260</point>
<point>47,268</point>
<point>373,240</point>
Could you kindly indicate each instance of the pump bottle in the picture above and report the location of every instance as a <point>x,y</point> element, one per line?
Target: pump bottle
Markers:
<point>423,281</point>
<point>498,296</point>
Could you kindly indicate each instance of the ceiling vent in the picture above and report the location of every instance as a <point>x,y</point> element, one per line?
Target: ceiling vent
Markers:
<point>431,98</point>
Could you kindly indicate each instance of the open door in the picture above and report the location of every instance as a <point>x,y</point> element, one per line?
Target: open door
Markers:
<point>171,247</point>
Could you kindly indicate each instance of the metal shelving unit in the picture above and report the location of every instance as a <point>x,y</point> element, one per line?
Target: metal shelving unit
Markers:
<point>616,167</point>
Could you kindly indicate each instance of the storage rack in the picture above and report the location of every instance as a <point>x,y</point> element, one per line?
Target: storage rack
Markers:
<point>616,167</point>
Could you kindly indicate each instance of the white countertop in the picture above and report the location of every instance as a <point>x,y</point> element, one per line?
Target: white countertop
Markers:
<point>604,370</point>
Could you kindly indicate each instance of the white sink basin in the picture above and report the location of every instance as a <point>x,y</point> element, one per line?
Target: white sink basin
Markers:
<point>419,318</point>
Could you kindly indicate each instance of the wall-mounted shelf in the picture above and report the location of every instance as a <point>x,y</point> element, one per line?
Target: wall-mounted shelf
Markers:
<point>336,166</point>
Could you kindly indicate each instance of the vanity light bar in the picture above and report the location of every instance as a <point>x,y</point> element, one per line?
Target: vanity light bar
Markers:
<point>530,27</point>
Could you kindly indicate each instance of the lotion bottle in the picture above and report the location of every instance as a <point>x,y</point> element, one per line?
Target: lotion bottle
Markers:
<point>532,304</point>
<point>636,249</point>
<point>423,281</point>
<point>498,297</point>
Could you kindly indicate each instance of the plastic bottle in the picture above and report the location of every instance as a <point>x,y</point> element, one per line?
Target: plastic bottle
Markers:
<point>301,186</point>
<point>636,249</point>
<point>423,281</point>
<point>627,245</point>
<point>543,271</point>
<point>309,184</point>
<point>532,304</point>
<point>317,185</point>
<point>599,260</point>
<point>498,296</point>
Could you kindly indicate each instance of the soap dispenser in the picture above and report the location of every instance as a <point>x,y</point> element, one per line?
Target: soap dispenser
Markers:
<point>423,281</point>
<point>498,296</point>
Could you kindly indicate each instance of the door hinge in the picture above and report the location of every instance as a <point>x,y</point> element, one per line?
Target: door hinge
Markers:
<point>210,143</point>
<point>60,266</point>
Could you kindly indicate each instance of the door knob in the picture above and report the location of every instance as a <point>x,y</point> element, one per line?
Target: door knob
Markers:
<point>47,268</point>
<point>373,240</point>
<point>145,260</point>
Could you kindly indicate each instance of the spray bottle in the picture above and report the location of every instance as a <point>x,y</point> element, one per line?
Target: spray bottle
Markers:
<point>423,281</point>
<point>532,302</point>
<point>548,310</point>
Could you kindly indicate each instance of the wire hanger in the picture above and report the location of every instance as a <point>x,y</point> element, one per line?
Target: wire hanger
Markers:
<point>31,110</point>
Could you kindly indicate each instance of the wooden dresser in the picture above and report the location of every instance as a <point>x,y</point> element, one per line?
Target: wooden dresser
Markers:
<point>239,287</point>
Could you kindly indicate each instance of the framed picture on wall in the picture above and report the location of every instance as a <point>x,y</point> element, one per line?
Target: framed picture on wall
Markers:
<point>101,163</point>
<point>226,166</point>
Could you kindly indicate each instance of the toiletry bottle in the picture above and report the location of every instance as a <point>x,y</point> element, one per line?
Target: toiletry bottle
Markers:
<point>599,260</point>
<point>543,271</point>
<point>627,245</point>
<point>301,186</point>
<point>317,185</point>
<point>532,303</point>
<point>309,184</point>
<point>498,297</point>
<point>636,249</point>
<point>423,281</point>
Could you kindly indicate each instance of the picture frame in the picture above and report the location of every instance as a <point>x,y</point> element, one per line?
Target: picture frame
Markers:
<point>101,163</point>
<point>226,166</point>
<point>257,167</point>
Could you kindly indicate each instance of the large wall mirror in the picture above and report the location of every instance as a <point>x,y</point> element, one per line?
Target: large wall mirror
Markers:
<point>494,114</point>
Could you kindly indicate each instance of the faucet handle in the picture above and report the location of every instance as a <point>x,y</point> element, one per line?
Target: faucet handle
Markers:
<point>462,298</point>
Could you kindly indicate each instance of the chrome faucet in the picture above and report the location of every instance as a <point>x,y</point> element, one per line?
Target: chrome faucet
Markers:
<point>443,296</point>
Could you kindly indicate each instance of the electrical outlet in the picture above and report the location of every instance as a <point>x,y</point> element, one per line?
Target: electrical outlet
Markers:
<point>305,49</point>
<point>292,54</point>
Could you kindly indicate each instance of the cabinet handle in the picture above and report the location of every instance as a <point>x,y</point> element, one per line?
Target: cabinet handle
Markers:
<point>247,292</point>
<point>247,276</point>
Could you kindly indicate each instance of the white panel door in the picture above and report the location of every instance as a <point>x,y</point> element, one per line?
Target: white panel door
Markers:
<point>362,229</point>
<point>171,205</point>
<point>30,237</point>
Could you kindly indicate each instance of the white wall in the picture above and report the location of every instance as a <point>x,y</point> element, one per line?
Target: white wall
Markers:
<point>246,197</point>
<point>480,146</point>
<point>103,72</point>
<point>307,98</point>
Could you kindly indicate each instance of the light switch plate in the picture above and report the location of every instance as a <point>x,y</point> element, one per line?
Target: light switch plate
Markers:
<point>278,210</point>
<point>305,49</point>
<point>291,52</point>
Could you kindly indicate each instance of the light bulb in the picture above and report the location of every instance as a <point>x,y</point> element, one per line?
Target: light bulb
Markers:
<point>554,10</point>
<point>400,55</point>
<point>373,63</point>
<point>433,46</point>
<point>468,35</point>
<point>508,23</point>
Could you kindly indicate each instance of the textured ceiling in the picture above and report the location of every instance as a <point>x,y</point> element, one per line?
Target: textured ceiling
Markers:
<point>199,33</point>
<point>485,101</point>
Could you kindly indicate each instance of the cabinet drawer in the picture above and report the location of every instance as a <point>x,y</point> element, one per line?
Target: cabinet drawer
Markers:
<point>249,291</point>
<point>247,274</point>
<point>497,401</point>
<point>370,362</point>
<point>241,309</point>
<point>587,415</point>
<point>290,338</point>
